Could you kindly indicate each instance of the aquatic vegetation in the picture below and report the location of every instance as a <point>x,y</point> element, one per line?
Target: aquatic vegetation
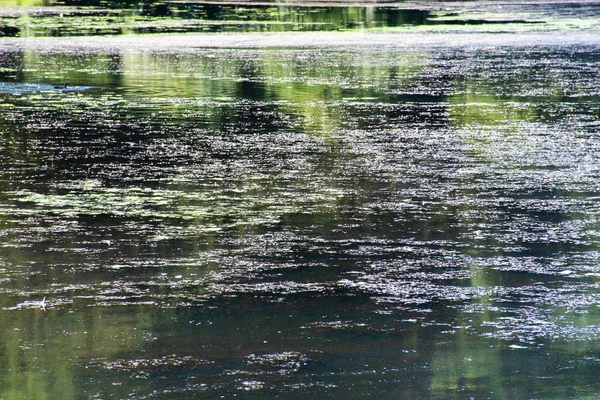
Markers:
<point>82,18</point>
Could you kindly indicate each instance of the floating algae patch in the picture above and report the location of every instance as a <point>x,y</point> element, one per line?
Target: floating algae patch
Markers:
<point>85,19</point>
<point>191,17</point>
<point>210,211</point>
<point>119,202</point>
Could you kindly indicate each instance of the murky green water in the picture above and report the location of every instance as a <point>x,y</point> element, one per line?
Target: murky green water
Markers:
<point>318,215</point>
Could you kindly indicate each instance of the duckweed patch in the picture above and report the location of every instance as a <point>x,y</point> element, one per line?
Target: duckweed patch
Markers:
<point>85,19</point>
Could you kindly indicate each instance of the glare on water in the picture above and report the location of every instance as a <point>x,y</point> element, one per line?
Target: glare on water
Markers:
<point>257,215</point>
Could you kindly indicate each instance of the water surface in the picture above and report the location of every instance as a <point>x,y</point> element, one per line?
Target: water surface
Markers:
<point>300,216</point>
<point>74,18</point>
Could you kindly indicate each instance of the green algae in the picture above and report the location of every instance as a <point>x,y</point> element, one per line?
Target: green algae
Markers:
<point>173,17</point>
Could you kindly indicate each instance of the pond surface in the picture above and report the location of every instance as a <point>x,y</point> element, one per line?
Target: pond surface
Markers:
<point>315,215</point>
<point>64,18</point>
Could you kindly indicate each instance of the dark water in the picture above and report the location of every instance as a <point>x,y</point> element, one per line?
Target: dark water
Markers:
<point>300,217</point>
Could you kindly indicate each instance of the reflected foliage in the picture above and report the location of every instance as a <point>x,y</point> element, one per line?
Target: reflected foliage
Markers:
<point>125,17</point>
<point>122,17</point>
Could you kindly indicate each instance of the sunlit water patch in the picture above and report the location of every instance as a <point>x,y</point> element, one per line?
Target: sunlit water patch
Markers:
<point>18,89</point>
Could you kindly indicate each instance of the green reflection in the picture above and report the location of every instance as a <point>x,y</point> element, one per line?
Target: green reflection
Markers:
<point>116,17</point>
<point>43,351</point>
<point>150,17</point>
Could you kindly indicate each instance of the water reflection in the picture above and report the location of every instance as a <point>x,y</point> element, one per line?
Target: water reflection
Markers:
<point>312,221</point>
<point>319,17</point>
<point>124,17</point>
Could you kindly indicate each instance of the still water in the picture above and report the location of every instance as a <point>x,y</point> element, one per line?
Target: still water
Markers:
<point>300,216</point>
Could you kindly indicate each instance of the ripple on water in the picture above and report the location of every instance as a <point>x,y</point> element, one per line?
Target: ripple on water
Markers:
<point>310,218</point>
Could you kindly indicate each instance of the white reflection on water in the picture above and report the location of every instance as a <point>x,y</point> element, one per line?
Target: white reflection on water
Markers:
<point>24,88</point>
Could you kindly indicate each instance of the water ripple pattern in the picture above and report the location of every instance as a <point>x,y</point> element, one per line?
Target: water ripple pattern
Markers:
<point>252,220</point>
